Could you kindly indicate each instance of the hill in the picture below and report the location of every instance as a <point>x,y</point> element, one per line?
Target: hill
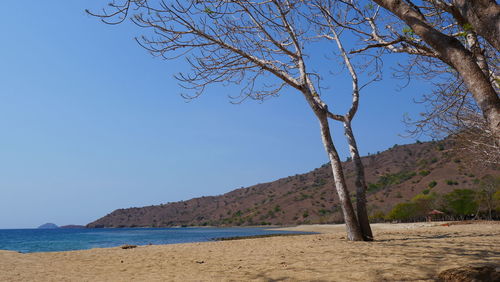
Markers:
<point>394,176</point>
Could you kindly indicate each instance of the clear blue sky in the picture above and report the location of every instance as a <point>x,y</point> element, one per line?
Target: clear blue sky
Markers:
<point>90,122</point>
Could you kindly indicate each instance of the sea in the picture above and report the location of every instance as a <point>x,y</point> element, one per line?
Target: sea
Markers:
<point>54,240</point>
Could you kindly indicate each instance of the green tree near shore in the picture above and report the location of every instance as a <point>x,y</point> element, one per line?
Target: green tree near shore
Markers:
<point>458,204</point>
<point>461,202</point>
<point>402,211</point>
<point>489,186</point>
<point>418,207</point>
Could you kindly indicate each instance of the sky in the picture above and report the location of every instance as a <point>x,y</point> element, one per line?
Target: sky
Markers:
<point>90,122</point>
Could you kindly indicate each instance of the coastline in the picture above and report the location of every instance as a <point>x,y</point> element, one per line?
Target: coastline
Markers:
<point>415,251</point>
<point>56,240</point>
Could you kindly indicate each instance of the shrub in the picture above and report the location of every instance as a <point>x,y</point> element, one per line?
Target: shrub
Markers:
<point>319,182</point>
<point>323,211</point>
<point>424,172</point>
<point>271,214</point>
<point>390,179</point>
<point>373,187</point>
<point>426,191</point>
<point>432,184</point>
<point>422,162</point>
<point>396,178</point>
<point>304,196</point>
<point>451,182</point>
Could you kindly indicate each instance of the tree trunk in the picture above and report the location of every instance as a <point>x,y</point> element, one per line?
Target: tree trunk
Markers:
<point>478,84</point>
<point>490,207</point>
<point>360,183</point>
<point>452,52</point>
<point>352,226</point>
<point>484,16</point>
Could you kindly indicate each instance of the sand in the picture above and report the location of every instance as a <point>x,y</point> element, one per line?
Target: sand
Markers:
<point>401,252</point>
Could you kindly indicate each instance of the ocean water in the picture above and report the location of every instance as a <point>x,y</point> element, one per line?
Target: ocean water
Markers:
<point>51,240</point>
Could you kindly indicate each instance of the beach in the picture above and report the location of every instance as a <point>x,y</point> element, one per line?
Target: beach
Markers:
<point>409,252</point>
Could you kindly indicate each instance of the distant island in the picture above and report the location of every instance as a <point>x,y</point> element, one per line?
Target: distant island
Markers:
<point>54,226</point>
<point>48,226</point>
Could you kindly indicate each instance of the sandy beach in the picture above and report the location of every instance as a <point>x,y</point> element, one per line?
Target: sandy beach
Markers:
<point>401,252</point>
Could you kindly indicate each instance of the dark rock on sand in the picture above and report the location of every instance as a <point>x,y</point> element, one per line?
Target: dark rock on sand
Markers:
<point>471,274</point>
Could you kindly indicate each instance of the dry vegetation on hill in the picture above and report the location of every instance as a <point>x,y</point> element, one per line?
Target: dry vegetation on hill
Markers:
<point>394,176</point>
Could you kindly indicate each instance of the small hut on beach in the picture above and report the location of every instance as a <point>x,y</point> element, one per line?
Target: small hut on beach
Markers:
<point>434,214</point>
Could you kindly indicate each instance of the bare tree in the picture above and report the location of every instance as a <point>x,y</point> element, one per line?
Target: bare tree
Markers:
<point>449,37</point>
<point>452,112</point>
<point>243,42</point>
<point>451,51</point>
<point>328,28</point>
<point>488,186</point>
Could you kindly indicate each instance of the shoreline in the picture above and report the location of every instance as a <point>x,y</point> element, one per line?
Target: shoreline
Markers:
<point>399,252</point>
<point>294,230</point>
<point>55,240</point>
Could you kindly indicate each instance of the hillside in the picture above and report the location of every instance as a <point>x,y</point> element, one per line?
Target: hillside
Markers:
<point>394,176</point>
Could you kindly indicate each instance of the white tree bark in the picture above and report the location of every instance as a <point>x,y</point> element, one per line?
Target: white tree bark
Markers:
<point>360,183</point>
<point>352,225</point>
